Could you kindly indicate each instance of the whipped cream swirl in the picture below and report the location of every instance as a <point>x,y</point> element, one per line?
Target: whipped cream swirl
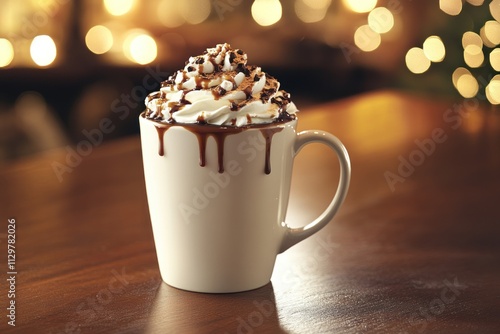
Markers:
<point>219,88</point>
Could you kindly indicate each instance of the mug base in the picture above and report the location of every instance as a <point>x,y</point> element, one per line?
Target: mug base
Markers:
<point>218,289</point>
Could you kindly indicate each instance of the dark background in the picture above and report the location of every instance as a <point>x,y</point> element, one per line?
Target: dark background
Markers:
<point>52,106</point>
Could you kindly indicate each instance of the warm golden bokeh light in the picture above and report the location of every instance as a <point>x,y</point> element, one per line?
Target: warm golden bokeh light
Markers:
<point>495,9</point>
<point>43,50</point>
<point>416,60</point>
<point>471,38</point>
<point>195,11</point>
<point>99,39</point>
<point>467,86</point>
<point>360,6</point>
<point>118,7</point>
<point>434,49</point>
<point>476,2</point>
<point>485,39</point>
<point>266,12</point>
<point>309,11</point>
<point>366,39</point>
<point>458,73</point>
<point>492,32</point>
<point>139,47</point>
<point>473,56</point>
<point>381,20</point>
<point>495,59</point>
<point>6,52</point>
<point>169,13</point>
<point>493,90</point>
<point>451,7</point>
<point>143,49</point>
<point>317,4</point>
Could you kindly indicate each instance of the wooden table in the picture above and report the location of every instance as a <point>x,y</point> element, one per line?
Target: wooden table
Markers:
<point>414,249</point>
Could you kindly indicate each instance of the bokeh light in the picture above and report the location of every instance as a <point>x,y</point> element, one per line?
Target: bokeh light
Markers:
<point>381,20</point>
<point>495,9</point>
<point>43,50</point>
<point>434,49</point>
<point>6,52</point>
<point>309,11</point>
<point>451,7</point>
<point>169,13</point>
<point>492,32</point>
<point>493,90</point>
<point>495,59</point>
<point>474,51</point>
<point>195,11</point>
<point>366,39</point>
<point>99,39</point>
<point>118,7</point>
<point>471,38</point>
<point>416,60</point>
<point>266,12</point>
<point>467,85</point>
<point>458,73</point>
<point>473,56</point>
<point>140,47</point>
<point>317,4</point>
<point>485,39</point>
<point>476,2</point>
<point>360,6</point>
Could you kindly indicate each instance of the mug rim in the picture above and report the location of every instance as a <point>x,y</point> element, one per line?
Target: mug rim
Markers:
<point>221,127</point>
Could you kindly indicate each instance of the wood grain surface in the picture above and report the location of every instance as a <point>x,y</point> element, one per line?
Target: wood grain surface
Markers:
<point>414,249</point>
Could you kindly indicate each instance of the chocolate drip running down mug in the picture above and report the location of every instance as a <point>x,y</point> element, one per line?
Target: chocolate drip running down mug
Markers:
<point>218,197</point>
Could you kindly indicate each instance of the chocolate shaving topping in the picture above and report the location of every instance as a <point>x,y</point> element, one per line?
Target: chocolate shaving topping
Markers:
<point>232,56</point>
<point>227,65</point>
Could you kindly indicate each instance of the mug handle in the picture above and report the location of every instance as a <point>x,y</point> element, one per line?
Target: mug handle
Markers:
<point>295,235</point>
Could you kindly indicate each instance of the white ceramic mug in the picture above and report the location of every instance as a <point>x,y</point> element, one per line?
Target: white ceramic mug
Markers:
<point>218,197</point>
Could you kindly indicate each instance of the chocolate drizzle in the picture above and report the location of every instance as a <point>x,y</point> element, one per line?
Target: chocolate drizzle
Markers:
<point>161,134</point>
<point>268,136</point>
<point>248,92</point>
<point>218,91</point>
<point>219,133</point>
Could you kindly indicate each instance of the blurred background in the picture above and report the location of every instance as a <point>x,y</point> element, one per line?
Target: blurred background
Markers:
<point>65,66</point>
